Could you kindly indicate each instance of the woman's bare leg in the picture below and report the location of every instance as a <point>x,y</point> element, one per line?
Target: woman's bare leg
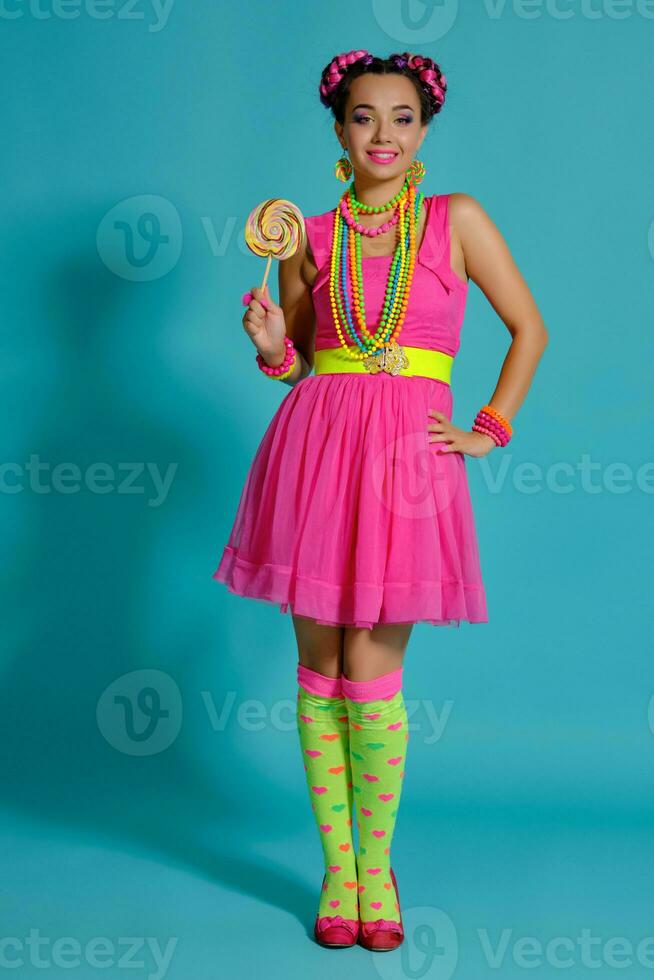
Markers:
<point>319,647</point>
<point>368,654</point>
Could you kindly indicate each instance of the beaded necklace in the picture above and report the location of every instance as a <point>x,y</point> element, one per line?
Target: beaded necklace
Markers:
<point>379,351</point>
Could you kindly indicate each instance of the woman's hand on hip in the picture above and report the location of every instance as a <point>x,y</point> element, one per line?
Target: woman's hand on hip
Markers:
<point>455,440</point>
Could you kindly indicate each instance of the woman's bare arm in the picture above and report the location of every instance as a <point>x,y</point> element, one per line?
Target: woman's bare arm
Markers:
<point>480,250</point>
<point>299,314</point>
<point>490,265</point>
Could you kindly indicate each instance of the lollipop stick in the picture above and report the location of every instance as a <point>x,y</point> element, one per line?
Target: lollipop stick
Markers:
<point>265,275</point>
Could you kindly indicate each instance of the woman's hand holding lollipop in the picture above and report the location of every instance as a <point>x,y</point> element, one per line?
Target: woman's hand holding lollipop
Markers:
<point>265,326</point>
<point>274,228</point>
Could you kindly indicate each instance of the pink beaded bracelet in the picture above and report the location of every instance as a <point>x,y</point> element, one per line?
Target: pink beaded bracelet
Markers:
<point>283,370</point>
<point>487,432</point>
<point>498,437</point>
<point>490,425</point>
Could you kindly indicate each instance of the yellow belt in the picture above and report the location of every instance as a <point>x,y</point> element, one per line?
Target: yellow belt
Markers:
<point>416,361</point>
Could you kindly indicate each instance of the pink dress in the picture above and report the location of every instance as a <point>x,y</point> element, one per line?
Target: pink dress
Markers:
<point>348,514</point>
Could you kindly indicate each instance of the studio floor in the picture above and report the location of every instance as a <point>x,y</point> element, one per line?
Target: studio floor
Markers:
<point>510,893</point>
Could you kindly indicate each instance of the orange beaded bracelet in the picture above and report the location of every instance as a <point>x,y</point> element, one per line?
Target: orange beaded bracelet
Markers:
<point>500,418</point>
<point>491,423</point>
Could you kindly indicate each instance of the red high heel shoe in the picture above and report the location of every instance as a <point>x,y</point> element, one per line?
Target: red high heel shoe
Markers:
<point>334,931</point>
<point>383,934</point>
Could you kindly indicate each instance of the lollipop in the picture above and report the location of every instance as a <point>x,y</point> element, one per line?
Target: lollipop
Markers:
<point>274,228</point>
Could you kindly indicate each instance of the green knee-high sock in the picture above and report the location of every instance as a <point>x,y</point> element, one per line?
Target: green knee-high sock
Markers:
<point>378,744</point>
<point>323,727</point>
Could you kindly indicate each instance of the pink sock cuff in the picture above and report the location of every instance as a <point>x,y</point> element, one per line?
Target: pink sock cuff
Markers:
<point>315,683</point>
<point>377,689</point>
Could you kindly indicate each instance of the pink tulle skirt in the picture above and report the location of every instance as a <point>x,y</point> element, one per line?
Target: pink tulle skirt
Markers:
<point>350,516</point>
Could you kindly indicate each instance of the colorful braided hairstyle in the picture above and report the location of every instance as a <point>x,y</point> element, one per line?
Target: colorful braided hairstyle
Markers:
<point>338,75</point>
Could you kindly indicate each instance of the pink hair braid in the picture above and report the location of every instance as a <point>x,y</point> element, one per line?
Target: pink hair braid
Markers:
<point>428,73</point>
<point>336,69</point>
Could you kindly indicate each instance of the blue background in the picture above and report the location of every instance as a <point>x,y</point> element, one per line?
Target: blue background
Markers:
<point>530,812</point>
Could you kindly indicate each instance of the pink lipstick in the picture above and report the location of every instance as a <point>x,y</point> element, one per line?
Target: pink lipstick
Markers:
<point>381,157</point>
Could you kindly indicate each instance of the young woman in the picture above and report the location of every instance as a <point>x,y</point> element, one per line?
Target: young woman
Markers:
<point>356,511</point>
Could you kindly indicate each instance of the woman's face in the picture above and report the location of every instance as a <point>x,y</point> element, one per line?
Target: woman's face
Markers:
<point>382,114</point>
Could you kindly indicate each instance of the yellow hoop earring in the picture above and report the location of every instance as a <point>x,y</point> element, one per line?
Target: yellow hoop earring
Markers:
<point>343,169</point>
